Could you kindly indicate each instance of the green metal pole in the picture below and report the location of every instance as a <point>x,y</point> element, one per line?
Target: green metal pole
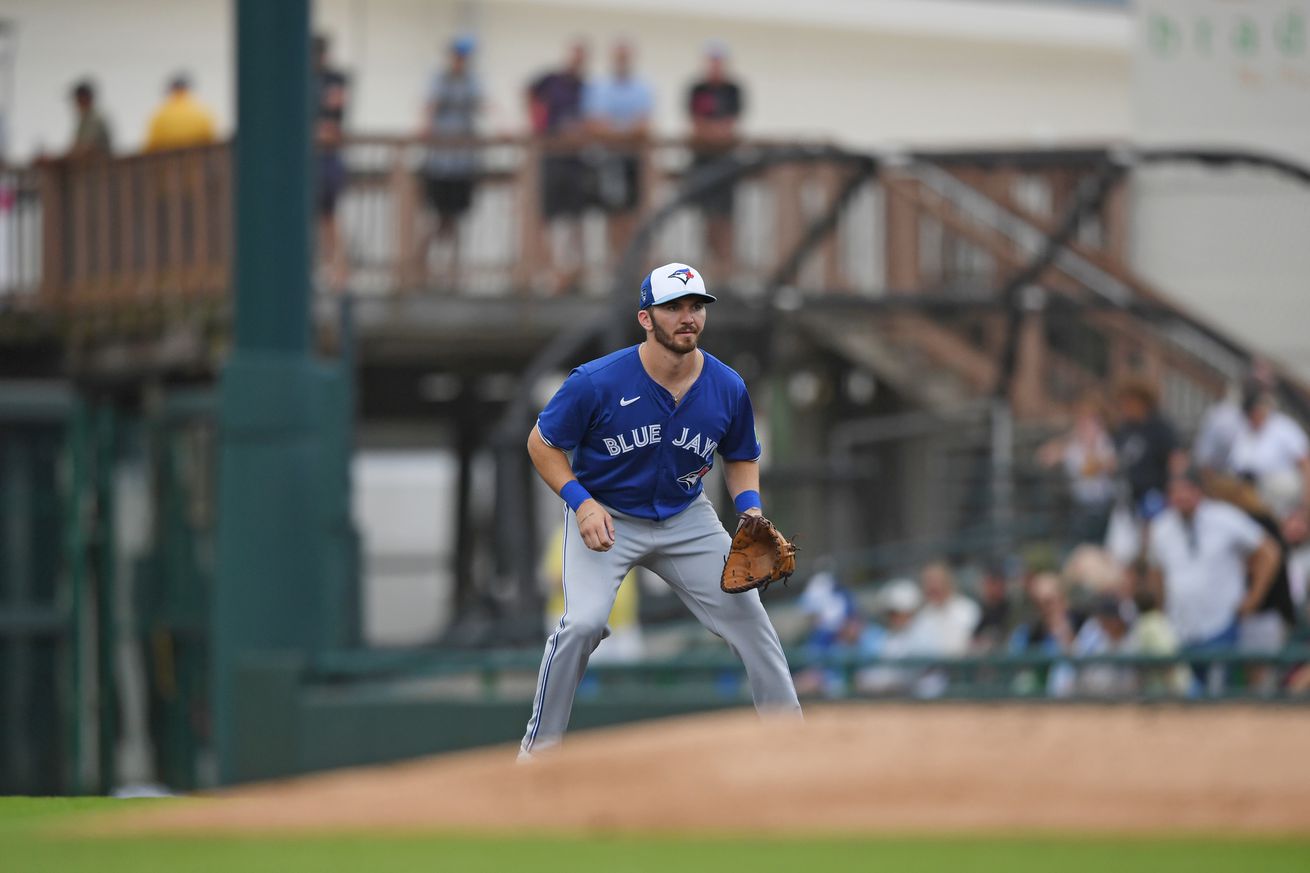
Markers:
<point>106,555</point>
<point>271,542</point>
<point>75,561</point>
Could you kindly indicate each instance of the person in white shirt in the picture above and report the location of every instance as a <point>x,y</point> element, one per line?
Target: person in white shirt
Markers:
<point>1271,450</point>
<point>1224,420</point>
<point>1087,454</point>
<point>944,624</point>
<point>1201,553</point>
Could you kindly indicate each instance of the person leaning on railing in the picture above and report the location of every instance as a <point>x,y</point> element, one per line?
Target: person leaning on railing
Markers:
<point>715,104</point>
<point>454,102</point>
<point>91,135</point>
<point>617,111</point>
<point>555,109</point>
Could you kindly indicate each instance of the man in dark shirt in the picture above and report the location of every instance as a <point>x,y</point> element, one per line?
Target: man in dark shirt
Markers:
<point>1145,446</point>
<point>555,109</point>
<point>715,104</point>
<point>329,134</point>
<point>995,623</point>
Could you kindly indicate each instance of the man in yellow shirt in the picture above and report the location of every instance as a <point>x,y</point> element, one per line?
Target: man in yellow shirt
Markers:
<point>182,121</point>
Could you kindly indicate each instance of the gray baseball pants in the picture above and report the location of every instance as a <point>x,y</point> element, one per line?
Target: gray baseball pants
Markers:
<point>687,551</point>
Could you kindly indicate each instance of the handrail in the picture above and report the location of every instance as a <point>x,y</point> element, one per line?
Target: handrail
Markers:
<point>365,664</point>
<point>154,229</point>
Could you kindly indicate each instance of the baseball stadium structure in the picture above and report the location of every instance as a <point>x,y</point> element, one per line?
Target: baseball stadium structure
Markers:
<point>918,322</point>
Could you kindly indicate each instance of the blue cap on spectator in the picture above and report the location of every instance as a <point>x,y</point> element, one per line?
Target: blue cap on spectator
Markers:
<point>716,48</point>
<point>463,44</point>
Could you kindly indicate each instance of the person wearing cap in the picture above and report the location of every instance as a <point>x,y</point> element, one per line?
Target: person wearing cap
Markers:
<point>1201,553</point>
<point>644,425</point>
<point>1107,631</point>
<point>181,121</point>
<point>454,102</point>
<point>714,104</point>
<point>91,137</point>
<point>896,605</point>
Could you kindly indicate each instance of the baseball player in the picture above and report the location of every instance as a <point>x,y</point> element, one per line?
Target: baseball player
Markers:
<point>643,425</point>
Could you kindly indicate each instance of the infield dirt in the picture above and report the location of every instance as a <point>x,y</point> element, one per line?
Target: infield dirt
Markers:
<point>846,769</point>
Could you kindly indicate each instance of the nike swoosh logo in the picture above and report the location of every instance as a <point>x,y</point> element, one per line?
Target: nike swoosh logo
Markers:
<point>623,401</point>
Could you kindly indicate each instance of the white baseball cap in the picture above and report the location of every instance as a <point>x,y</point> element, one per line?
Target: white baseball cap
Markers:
<point>899,595</point>
<point>670,282</point>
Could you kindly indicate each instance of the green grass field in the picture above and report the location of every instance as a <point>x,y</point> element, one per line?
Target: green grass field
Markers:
<point>27,845</point>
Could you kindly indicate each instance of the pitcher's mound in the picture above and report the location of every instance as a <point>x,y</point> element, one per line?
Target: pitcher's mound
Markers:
<point>887,768</point>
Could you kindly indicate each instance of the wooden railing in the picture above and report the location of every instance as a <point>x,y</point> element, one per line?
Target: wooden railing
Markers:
<point>156,229</point>
<point>122,231</point>
<point>140,228</point>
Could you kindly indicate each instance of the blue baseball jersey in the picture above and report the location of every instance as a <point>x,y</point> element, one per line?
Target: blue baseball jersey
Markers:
<point>637,451</point>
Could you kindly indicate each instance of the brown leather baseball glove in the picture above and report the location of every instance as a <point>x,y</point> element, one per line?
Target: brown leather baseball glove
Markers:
<point>760,556</point>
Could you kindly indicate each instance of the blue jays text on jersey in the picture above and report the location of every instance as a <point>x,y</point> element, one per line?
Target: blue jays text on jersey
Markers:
<point>634,449</point>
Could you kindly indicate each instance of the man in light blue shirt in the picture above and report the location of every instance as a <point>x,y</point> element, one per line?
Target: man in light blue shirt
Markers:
<point>618,110</point>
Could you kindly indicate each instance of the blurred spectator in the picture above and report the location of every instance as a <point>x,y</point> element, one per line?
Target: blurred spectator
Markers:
<point>1217,432</point>
<point>945,623</point>
<point>91,137</point>
<point>1146,445</point>
<point>618,113</point>
<point>1272,450</point>
<point>715,104</point>
<point>181,121</point>
<point>454,102</point>
<point>996,611</point>
<point>555,107</point>
<point>1049,632</point>
<point>1086,454</point>
<point>1199,551</point>
<point>897,603</point>
<point>837,632</point>
<point>1152,635</point>
<point>330,178</point>
<point>1265,629</point>
<point>1106,632</point>
<point>1094,570</point>
<point>1223,421</point>
<point>1051,629</point>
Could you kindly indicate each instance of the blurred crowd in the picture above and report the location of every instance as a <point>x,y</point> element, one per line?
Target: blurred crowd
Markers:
<point>593,129</point>
<point>1173,550</point>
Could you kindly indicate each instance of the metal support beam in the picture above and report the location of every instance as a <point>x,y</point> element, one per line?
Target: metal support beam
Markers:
<point>272,539</point>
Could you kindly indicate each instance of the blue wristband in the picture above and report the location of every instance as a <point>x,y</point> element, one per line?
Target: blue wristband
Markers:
<point>574,494</point>
<point>747,500</point>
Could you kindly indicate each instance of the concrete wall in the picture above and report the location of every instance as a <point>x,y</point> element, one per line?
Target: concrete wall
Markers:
<point>1232,245</point>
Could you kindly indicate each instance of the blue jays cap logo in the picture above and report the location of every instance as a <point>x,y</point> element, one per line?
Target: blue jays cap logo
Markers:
<point>670,282</point>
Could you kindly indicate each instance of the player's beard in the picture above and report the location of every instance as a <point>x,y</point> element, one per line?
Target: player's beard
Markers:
<point>679,344</point>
